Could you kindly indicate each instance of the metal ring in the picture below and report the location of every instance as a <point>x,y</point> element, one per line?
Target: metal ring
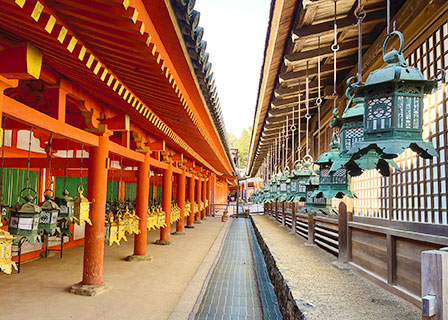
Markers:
<point>335,47</point>
<point>293,128</point>
<point>308,116</point>
<point>308,158</point>
<point>361,14</point>
<point>394,33</point>
<point>319,101</point>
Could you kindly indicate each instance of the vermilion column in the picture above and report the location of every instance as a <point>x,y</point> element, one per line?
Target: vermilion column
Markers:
<point>167,191</point>
<point>197,216</point>
<point>204,191</point>
<point>181,184</point>
<point>190,218</point>
<point>207,197</point>
<point>94,235</point>
<point>140,240</point>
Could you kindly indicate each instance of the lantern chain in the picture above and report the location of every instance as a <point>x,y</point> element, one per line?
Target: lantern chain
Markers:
<point>82,162</point>
<point>3,161</point>
<point>29,160</point>
<point>121,178</point>
<point>112,182</point>
<point>335,49</point>
<point>66,165</point>
<point>49,150</point>
<point>319,97</point>
<point>307,115</point>
<point>299,127</point>
<point>360,14</point>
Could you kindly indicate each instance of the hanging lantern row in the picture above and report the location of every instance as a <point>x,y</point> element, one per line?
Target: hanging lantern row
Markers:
<point>156,215</point>
<point>120,222</point>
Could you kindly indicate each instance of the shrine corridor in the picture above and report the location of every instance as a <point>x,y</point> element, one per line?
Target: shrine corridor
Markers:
<point>239,287</point>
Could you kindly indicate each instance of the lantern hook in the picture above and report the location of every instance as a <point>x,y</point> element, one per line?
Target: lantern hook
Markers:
<point>393,56</point>
<point>25,189</point>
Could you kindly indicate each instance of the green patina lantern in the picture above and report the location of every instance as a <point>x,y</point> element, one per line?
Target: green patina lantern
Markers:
<point>282,184</point>
<point>48,222</point>
<point>315,204</point>
<point>335,185</point>
<point>25,218</point>
<point>351,126</point>
<point>66,213</point>
<point>394,108</point>
<point>299,178</point>
<point>66,205</point>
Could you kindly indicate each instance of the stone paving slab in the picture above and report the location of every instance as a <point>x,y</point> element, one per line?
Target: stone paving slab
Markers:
<point>322,291</point>
<point>239,287</point>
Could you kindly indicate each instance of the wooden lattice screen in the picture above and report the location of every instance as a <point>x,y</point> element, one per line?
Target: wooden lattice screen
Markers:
<point>417,193</point>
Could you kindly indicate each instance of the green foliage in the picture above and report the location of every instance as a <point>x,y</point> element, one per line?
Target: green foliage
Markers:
<point>242,144</point>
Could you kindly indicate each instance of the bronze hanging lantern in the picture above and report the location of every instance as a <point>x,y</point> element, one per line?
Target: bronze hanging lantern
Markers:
<point>335,185</point>
<point>314,204</point>
<point>6,263</point>
<point>299,178</point>
<point>25,218</point>
<point>48,221</point>
<point>394,108</point>
<point>351,125</point>
<point>81,207</point>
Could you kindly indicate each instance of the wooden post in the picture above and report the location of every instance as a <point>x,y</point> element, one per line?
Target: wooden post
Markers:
<point>293,217</point>
<point>180,225</point>
<point>343,233</point>
<point>167,193</point>
<point>140,240</point>
<point>283,213</point>
<point>435,284</point>
<point>190,218</point>
<point>94,234</point>
<point>310,240</point>
<point>391,259</point>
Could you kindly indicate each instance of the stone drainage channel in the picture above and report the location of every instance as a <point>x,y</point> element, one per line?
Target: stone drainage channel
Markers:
<point>239,287</point>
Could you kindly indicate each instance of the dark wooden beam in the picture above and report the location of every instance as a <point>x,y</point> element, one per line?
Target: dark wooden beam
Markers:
<point>350,45</point>
<point>372,16</point>
<point>325,69</point>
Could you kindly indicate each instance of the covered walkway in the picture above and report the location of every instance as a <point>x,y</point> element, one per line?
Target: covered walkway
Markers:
<point>322,291</point>
<point>144,290</point>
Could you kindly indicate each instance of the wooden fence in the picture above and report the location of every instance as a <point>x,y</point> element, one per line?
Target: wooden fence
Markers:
<point>387,252</point>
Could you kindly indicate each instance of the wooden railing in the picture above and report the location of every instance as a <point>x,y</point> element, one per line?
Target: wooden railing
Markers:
<point>387,252</point>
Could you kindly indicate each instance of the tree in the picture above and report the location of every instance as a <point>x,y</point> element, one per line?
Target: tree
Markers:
<point>242,144</point>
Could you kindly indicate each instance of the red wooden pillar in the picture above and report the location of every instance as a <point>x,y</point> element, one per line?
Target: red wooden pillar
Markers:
<point>207,211</point>
<point>197,216</point>
<point>181,185</point>
<point>140,240</point>
<point>167,192</point>
<point>94,235</point>
<point>190,219</point>
<point>204,191</point>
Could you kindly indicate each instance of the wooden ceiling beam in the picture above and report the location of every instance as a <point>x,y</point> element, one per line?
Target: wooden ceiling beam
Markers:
<point>326,51</point>
<point>372,16</point>
<point>325,69</point>
<point>295,89</point>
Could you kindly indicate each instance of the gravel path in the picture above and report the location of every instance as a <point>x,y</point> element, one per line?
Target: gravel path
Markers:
<point>323,291</point>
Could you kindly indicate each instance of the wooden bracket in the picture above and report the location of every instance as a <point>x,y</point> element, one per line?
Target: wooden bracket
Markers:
<point>166,157</point>
<point>120,122</point>
<point>21,62</point>
<point>141,145</point>
<point>178,157</point>
<point>157,146</point>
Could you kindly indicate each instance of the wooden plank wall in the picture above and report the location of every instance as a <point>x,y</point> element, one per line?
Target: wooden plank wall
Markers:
<point>387,254</point>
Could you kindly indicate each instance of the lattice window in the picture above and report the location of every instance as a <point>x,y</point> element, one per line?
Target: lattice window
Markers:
<point>417,193</point>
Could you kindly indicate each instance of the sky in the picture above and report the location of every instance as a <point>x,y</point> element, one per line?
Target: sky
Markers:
<point>235,31</point>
